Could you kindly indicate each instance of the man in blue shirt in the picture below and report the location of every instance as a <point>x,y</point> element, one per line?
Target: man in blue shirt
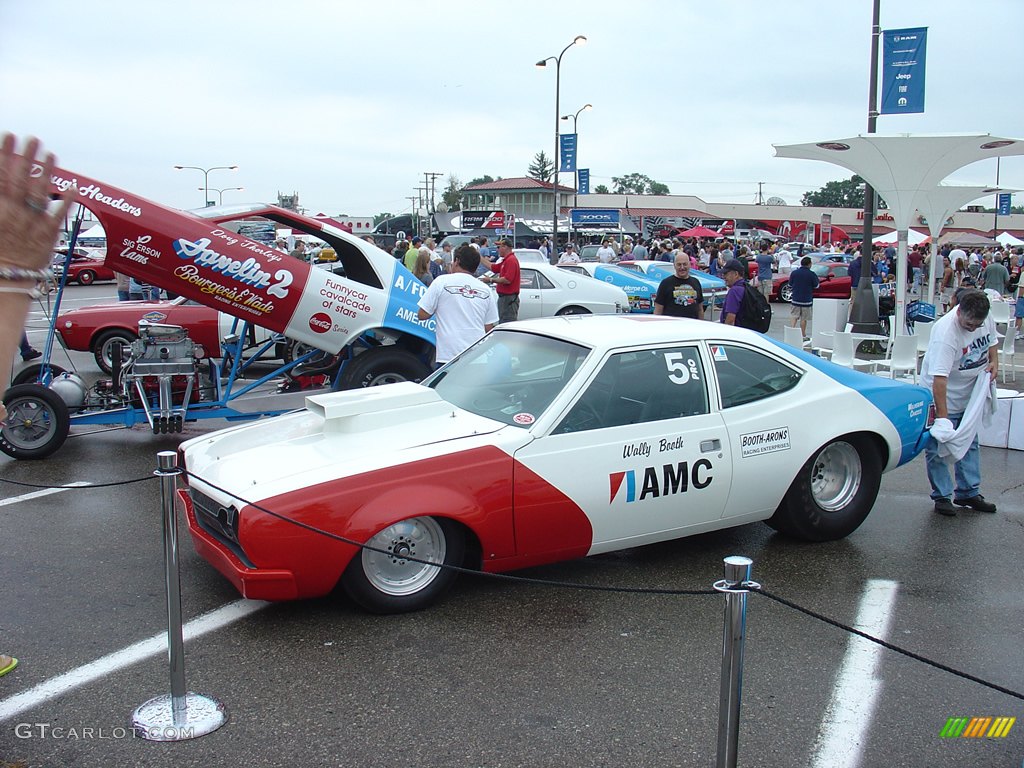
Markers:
<point>764,261</point>
<point>802,281</point>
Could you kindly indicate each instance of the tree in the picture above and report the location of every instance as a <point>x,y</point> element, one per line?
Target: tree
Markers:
<point>541,168</point>
<point>600,189</point>
<point>378,218</point>
<point>638,184</point>
<point>481,180</point>
<point>452,194</point>
<point>840,194</point>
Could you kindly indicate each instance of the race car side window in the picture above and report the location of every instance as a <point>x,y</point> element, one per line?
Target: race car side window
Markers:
<point>641,386</point>
<point>746,375</point>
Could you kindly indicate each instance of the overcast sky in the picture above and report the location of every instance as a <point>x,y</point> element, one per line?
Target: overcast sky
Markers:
<point>349,103</point>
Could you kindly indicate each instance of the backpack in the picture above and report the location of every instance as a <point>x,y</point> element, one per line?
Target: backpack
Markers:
<point>755,312</point>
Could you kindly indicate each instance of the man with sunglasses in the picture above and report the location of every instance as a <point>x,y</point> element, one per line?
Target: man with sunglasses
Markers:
<point>962,348</point>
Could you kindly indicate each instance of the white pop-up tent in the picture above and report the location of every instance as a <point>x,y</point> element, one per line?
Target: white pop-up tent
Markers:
<point>889,238</point>
<point>904,170</point>
<point>1007,239</point>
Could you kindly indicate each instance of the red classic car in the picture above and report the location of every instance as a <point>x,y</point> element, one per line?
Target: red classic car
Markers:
<point>833,282</point>
<point>98,328</point>
<point>84,268</point>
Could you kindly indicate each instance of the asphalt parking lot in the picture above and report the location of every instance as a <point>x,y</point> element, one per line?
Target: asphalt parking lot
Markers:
<point>503,673</point>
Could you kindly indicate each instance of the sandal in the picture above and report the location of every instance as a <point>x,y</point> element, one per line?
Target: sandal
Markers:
<point>7,663</point>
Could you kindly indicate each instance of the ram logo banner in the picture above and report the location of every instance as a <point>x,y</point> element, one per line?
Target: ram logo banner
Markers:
<point>1003,209</point>
<point>483,219</point>
<point>672,479</point>
<point>977,727</point>
<point>903,54</point>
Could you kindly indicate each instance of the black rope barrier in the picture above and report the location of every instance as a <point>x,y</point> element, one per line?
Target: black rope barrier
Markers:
<point>79,487</point>
<point>755,589</point>
<point>884,644</point>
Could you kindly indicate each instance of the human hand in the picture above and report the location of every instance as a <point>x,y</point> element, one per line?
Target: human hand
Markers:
<point>28,229</point>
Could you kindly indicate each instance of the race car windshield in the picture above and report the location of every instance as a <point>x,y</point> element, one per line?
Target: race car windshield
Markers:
<point>509,376</point>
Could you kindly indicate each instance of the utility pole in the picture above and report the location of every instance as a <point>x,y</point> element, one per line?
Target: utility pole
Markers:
<point>760,194</point>
<point>415,213</point>
<point>429,178</point>
<point>864,312</point>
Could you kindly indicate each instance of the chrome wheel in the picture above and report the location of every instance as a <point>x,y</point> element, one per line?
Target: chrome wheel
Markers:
<point>393,574</point>
<point>835,476</point>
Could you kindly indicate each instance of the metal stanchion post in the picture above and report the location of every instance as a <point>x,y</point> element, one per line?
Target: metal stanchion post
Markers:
<point>181,715</point>
<point>737,577</point>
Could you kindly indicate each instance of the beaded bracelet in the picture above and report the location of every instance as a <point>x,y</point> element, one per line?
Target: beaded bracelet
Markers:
<point>14,274</point>
<point>34,293</point>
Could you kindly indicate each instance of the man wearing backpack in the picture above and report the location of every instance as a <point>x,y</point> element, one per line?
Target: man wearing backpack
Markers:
<point>744,307</point>
<point>733,275</point>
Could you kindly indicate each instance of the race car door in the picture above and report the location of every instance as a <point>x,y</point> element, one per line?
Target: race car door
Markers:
<point>640,451</point>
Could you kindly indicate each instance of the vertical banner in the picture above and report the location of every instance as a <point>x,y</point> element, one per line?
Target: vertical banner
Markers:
<point>903,54</point>
<point>584,177</point>
<point>567,149</point>
<point>826,227</point>
<point>1003,209</point>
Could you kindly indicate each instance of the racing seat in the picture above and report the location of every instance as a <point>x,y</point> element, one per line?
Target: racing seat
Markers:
<point>670,400</point>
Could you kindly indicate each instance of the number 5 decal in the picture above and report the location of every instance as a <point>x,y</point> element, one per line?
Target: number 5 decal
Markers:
<point>677,370</point>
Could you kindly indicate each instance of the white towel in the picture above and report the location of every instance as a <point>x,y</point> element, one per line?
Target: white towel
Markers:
<point>954,443</point>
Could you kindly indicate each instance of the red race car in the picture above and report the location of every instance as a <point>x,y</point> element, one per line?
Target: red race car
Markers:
<point>98,328</point>
<point>84,268</point>
<point>833,282</point>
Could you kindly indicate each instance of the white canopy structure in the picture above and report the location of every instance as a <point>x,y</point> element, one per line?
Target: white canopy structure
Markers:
<point>904,170</point>
<point>1007,239</point>
<point>913,237</point>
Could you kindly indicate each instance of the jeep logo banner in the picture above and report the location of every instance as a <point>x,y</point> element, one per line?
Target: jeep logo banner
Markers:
<point>592,217</point>
<point>903,53</point>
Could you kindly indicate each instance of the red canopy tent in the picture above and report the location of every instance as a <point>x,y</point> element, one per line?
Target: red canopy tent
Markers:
<point>699,232</point>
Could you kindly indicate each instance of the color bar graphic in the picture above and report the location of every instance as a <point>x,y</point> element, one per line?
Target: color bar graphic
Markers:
<point>977,727</point>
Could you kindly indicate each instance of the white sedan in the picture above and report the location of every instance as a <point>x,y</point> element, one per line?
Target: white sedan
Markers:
<point>547,440</point>
<point>546,291</point>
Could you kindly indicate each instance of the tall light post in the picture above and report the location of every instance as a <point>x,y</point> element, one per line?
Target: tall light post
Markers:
<point>578,40</point>
<point>206,176</point>
<point>220,192</point>
<point>576,171</point>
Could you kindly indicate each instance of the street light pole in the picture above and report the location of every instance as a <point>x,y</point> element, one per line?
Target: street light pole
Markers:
<point>578,40</point>
<point>220,192</point>
<point>206,176</point>
<point>576,171</point>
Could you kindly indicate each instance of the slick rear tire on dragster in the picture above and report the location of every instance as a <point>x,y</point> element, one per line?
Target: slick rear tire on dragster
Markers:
<point>37,422</point>
<point>381,365</point>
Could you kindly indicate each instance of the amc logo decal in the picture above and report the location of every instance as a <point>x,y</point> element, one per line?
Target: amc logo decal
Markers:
<point>673,479</point>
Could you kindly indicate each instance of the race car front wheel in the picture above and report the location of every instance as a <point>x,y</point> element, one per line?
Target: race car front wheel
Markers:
<point>833,492</point>
<point>37,422</point>
<point>398,574</point>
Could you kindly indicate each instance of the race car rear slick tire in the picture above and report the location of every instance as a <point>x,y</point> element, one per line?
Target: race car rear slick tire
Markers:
<point>30,374</point>
<point>86,277</point>
<point>37,422</point>
<point>385,583</point>
<point>101,348</point>
<point>381,365</point>
<point>833,492</point>
<point>573,310</point>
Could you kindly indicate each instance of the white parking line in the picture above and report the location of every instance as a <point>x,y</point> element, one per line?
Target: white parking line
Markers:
<point>847,718</point>
<point>113,662</point>
<point>40,494</point>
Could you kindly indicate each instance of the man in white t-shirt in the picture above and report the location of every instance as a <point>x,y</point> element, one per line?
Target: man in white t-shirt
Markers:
<point>464,308</point>
<point>569,255</point>
<point>606,254</point>
<point>963,346</point>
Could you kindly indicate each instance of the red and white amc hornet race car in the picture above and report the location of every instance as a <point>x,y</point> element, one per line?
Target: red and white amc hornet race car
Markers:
<point>547,440</point>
